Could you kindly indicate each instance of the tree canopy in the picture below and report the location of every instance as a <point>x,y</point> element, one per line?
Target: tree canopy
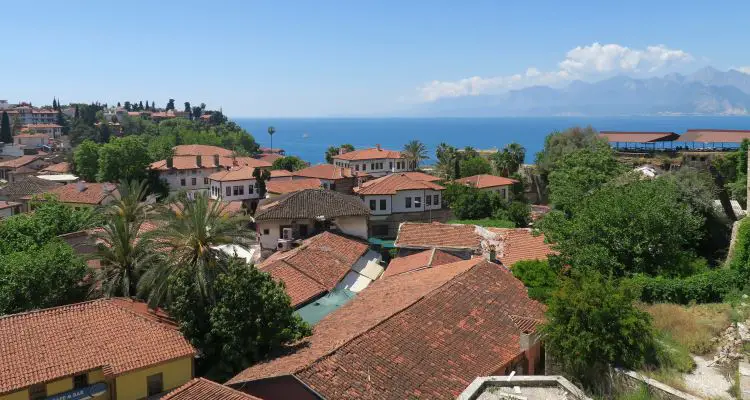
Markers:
<point>289,163</point>
<point>333,151</point>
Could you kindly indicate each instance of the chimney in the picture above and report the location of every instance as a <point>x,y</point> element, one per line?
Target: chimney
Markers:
<point>216,160</point>
<point>378,147</point>
<point>492,254</point>
<point>170,162</point>
<point>81,186</point>
<point>199,161</point>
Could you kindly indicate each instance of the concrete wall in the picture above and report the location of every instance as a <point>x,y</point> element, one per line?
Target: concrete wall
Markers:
<point>174,178</point>
<point>354,226</point>
<point>60,386</point>
<point>657,390</point>
<point>175,373</point>
<point>218,190</point>
<point>392,221</point>
<point>372,167</point>
<point>503,191</point>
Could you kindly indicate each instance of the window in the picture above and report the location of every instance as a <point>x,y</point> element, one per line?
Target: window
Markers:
<point>408,202</point>
<point>502,193</point>
<point>382,204</point>
<point>155,384</point>
<point>182,182</point>
<point>266,231</point>
<point>372,165</point>
<point>390,165</point>
<point>237,190</point>
<point>417,202</point>
<point>380,230</point>
<point>242,190</point>
<point>229,190</point>
<point>38,392</point>
<point>250,189</point>
<point>356,167</point>
<point>303,230</point>
<point>205,181</point>
<point>364,167</point>
<point>428,199</point>
<point>195,172</point>
<point>80,381</point>
<point>436,199</point>
<point>373,205</point>
<point>332,186</point>
<point>193,182</point>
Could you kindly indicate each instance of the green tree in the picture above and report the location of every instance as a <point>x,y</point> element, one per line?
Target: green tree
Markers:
<point>188,109</point>
<point>415,152</point>
<point>261,177</point>
<point>580,173</point>
<point>517,212</point>
<point>197,112</point>
<point>170,105</point>
<point>5,133</point>
<point>191,234</point>
<point>289,163</point>
<point>447,160</point>
<point>557,144</point>
<point>17,125</point>
<point>128,107</point>
<point>47,276</point>
<point>475,166</point>
<point>592,324</point>
<point>123,159</point>
<point>251,319</point>
<point>334,151</point>
<point>538,276</point>
<point>471,203</point>
<point>509,160</point>
<point>86,160</point>
<point>640,226</point>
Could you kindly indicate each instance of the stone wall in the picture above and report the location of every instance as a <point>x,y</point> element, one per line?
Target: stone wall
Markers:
<point>633,380</point>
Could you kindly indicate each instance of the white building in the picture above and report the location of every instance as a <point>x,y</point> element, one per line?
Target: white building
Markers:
<point>28,115</point>
<point>233,184</point>
<point>53,131</point>
<point>285,220</point>
<point>376,161</point>
<point>31,140</point>
<point>398,193</point>
<point>499,184</point>
<point>190,167</point>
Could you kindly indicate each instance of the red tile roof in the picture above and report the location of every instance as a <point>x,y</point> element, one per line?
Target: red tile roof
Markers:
<point>638,137</point>
<point>200,150</point>
<point>281,173</point>
<point>430,347</point>
<point>326,171</point>
<point>381,300</point>
<point>203,389</point>
<point>18,162</point>
<point>448,236</point>
<point>30,136</point>
<point>423,259</point>
<point>191,162</point>
<point>485,181</point>
<point>234,174</point>
<point>269,158</point>
<point>8,204</point>
<point>92,193</point>
<point>117,335</point>
<point>421,176</point>
<point>390,184</point>
<point>316,266</point>
<point>294,185</point>
<point>368,154</point>
<point>42,126</point>
<point>520,244</point>
<point>59,168</point>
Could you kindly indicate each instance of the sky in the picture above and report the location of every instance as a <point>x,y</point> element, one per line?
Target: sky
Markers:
<point>323,58</point>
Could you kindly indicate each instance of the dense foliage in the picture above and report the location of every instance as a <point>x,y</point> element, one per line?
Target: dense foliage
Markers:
<point>539,277</point>
<point>289,163</point>
<point>333,151</point>
<point>475,166</point>
<point>469,203</point>
<point>251,316</point>
<point>592,323</point>
<point>707,287</point>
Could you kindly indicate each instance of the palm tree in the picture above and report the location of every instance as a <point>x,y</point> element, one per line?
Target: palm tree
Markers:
<point>271,131</point>
<point>415,152</point>
<point>517,154</point>
<point>121,251</point>
<point>189,238</point>
<point>446,159</point>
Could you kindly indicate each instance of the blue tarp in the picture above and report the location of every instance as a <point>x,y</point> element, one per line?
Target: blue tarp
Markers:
<point>315,311</point>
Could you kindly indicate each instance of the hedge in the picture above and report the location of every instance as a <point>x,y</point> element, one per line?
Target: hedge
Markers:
<point>708,287</point>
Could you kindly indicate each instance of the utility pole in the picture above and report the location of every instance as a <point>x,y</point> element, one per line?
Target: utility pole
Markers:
<point>271,131</point>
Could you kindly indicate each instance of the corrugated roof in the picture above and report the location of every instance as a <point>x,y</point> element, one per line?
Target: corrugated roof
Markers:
<point>116,334</point>
<point>638,137</point>
<point>715,136</point>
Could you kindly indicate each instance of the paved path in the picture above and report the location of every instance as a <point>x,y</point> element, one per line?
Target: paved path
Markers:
<point>708,380</point>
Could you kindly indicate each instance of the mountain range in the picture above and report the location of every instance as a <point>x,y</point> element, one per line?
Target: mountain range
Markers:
<point>708,91</point>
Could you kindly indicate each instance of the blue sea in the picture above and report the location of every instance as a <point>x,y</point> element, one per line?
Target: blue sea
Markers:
<point>309,138</point>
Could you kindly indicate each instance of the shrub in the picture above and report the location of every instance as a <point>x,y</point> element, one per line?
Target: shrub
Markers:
<point>741,254</point>
<point>538,276</point>
<point>708,287</point>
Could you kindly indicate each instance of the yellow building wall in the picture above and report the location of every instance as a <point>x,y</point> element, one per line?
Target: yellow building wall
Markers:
<point>20,395</point>
<point>132,386</point>
<point>59,386</point>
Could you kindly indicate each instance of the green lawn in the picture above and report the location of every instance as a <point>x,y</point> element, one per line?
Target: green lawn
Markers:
<point>486,222</point>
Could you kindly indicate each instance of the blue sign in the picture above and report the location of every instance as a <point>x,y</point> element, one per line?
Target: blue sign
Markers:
<point>88,392</point>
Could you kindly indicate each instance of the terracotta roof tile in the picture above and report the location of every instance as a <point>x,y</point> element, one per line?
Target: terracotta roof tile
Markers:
<point>390,184</point>
<point>191,162</point>
<point>421,176</point>
<point>520,244</point>
<point>282,186</point>
<point>92,193</point>
<point>18,162</point>
<point>325,171</point>
<point>485,181</point>
<point>203,389</point>
<point>200,150</point>
<point>310,203</point>
<point>368,154</point>
<point>316,266</point>
<point>48,344</point>
<point>59,168</point>
<point>448,236</point>
<point>8,204</point>
<point>423,259</point>
<point>435,347</point>
<point>382,299</point>
<point>27,186</point>
<point>269,158</point>
<point>234,174</point>
<point>281,173</point>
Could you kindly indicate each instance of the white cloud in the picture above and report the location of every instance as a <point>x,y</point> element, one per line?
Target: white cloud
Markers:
<point>587,62</point>
<point>745,70</point>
